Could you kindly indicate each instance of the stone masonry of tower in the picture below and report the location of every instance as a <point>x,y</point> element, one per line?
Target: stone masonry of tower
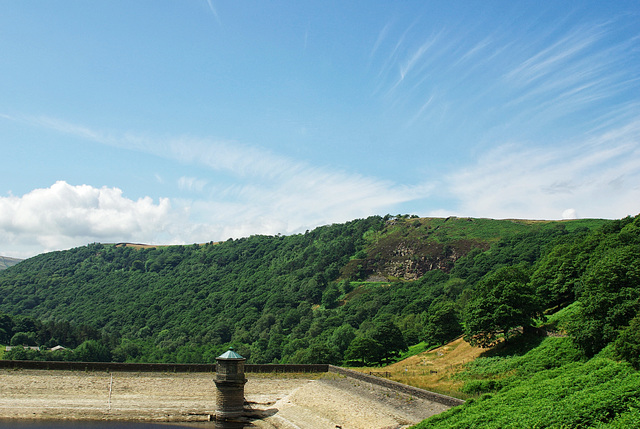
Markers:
<point>230,382</point>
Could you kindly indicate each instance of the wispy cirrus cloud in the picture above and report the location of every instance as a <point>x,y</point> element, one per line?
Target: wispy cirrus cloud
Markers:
<point>504,74</point>
<point>265,193</point>
<point>214,11</point>
<point>476,52</point>
<point>382,35</point>
<point>191,184</point>
<point>572,74</point>
<point>550,58</point>
<point>276,187</point>
<point>598,177</point>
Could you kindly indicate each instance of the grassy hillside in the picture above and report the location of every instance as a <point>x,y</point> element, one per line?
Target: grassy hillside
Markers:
<point>543,383</point>
<point>436,369</point>
<point>6,262</point>
<point>408,247</point>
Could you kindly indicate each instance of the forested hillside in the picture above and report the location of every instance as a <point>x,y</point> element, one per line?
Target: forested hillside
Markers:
<point>353,293</point>
<point>584,376</point>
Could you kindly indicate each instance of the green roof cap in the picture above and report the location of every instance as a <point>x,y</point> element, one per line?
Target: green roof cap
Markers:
<point>230,354</point>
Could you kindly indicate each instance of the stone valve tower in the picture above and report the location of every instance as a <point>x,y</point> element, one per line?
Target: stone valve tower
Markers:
<point>230,382</point>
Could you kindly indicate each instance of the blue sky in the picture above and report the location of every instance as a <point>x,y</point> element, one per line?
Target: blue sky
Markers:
<point>195,120</point>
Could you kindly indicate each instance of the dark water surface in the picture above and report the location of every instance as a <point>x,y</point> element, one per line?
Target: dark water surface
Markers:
<point>21,424</point>
<point>6,424</point>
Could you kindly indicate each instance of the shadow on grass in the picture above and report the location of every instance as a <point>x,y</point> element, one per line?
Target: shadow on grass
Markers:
<point>516,346</point>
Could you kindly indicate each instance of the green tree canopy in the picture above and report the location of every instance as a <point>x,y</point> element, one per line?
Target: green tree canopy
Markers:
<point>365,350</point>
<point>386,333</point>
<point>93,351</point>
<point>610,298</point>
<point>503,300</point>
<point>23,339</point>
<point>443,323</point>
<point>627,346</point>
<point>317,353</point>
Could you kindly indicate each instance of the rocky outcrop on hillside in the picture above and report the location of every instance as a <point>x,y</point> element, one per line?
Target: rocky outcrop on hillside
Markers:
<point>408,259</point>
<point>411,264</point>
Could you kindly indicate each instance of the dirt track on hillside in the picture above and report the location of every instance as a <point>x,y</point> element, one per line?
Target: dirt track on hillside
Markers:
<point>284,401</point>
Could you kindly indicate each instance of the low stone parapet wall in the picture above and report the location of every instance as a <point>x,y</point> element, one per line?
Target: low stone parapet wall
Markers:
<point>107,366</point>
<point>155,367</point>
<point>399,387</point>
<point>270,367</point>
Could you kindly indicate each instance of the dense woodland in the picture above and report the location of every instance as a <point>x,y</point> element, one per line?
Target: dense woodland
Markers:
<point>357,293</point>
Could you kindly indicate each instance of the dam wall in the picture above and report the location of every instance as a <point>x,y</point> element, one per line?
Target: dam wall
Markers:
<point>156,367</point>
<point>256,368</point>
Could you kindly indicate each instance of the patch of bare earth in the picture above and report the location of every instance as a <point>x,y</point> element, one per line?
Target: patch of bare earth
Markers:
<point>282,401</point>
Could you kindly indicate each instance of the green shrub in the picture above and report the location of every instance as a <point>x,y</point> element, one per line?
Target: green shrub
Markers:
<point>627,346</point>
<point>597,393</point>
<point>481,386</point>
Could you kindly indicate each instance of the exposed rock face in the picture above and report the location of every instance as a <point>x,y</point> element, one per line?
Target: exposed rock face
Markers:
<point>411,263</point>
<point>408,260</point>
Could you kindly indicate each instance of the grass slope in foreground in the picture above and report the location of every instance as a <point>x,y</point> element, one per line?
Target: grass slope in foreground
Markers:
<point>548,386</point>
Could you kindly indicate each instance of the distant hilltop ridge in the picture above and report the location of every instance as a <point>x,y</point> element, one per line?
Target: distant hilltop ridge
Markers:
<point>6,262</point>
<point>153,246</point>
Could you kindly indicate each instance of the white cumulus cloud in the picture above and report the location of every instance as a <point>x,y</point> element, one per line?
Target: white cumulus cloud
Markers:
<point>64,216</point>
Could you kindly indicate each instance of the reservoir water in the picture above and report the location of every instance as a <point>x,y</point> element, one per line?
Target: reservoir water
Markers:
<point>6,424</point>
<point>17,424</point>
<point>44,424</point>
